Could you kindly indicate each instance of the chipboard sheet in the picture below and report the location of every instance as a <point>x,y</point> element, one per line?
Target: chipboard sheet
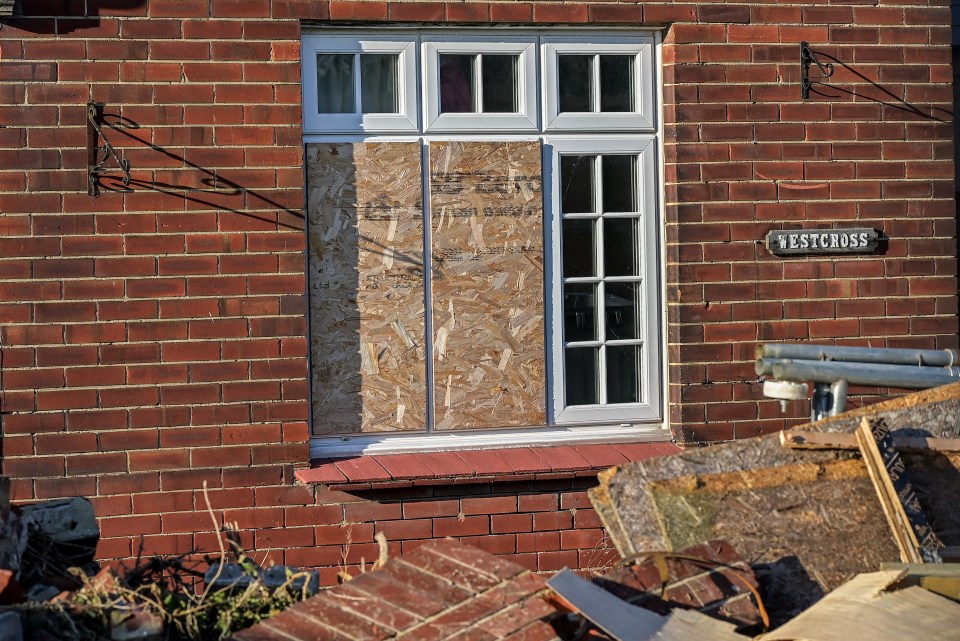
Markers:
<point>486,213</point>
<point>365,242</point>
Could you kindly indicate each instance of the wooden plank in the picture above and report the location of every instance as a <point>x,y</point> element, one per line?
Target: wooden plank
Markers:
<point>488,308</point>
<point>866,609</point>
<point>617,618</point>
<point>366,287</point>
<point>802,440</point>
<point>915,538</point>
<point>626,622</point>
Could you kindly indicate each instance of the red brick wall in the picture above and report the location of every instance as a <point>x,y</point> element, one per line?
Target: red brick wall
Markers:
<point>154,338</point>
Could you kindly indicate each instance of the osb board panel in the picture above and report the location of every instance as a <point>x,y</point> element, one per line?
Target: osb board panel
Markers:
<point>486,213</point>
<point>826,515</point>
<point>366,287</point>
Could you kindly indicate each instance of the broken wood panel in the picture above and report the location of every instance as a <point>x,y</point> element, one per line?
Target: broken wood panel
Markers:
<point>367,326</point>
<point>488,310</point>
<point>916,540</point>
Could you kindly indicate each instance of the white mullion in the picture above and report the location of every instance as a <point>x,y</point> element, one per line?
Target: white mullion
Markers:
<point>357,106</point>
<point>601,296</point>
<point>595,97</point>
<point>478,83</point>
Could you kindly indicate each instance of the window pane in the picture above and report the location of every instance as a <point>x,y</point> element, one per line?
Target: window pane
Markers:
<point>576,83</point>
<point>500,83</point>
<point>621,251</point>
<point>620,183</point>
<point>456,83</point>
<point>579,257</point>
<point>616,83</point>
<point>623,374</point>
<point>582,382</point>
<point>335,83</point>
<point>576,184</point>
<point>378,83</point>
<point>621,311</point>
<point>579,312</point>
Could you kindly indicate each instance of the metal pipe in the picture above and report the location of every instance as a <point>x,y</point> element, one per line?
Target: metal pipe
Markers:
<point>902,376</point>
<point>928,357</point>
<point>839,391</point>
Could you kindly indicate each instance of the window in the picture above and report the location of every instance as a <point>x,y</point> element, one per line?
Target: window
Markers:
<point>523,169</point>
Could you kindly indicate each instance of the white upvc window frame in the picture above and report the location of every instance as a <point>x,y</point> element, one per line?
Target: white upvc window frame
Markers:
<point>406,121</point>
<point>525,120</point>
<point>636,132</point>
<point>642,46</point>
<point>649,405</point>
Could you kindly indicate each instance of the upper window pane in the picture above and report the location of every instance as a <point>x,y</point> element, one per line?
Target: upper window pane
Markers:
<point>335,92</point>
<point>457,94</point>
<point>576,83</point>
<point>379,88</point>
<point>576,184</point>
<point>500,83</point>
<point>616,83</point>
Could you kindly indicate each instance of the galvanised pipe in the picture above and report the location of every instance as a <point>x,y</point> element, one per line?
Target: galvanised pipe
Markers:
<point>902,376</point>
<point>928,357</point>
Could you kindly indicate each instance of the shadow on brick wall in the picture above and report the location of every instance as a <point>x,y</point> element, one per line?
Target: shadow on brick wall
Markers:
<point>65,16</point>
<point>882,95</point>
<point>206,187</point>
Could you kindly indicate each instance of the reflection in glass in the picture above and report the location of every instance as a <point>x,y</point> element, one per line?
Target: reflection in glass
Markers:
<point>576,83</point>
<point>499,75</point>
<point>616,83</point>
<point>378,83</point>
<point>582,377</point>
<point>621,249</point>
<point>579,259</point>
<point>620,184</point>
<point>456,83</point>
<point>621,308</point>
<point>579,312</point>
<point>576,184</point>
<point>335,83</point>
<point>623,374</point>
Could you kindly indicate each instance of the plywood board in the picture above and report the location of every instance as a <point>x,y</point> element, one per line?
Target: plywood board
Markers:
<point>366,284</point>
<point>486,213</point>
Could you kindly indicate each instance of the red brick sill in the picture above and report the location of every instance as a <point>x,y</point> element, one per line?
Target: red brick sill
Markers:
<point>475,466</point>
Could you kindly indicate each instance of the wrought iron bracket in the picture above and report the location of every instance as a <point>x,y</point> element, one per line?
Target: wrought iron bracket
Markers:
<point>806,59</point>
<point>98,154</point>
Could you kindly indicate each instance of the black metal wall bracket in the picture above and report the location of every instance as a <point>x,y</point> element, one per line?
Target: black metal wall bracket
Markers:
<point>97,154</point>
<point>806,58</point>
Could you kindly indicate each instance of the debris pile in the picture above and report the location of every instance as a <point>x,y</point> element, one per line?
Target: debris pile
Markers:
<point>51,590</point>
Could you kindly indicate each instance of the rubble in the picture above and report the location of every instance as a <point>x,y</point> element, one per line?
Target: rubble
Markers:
<point>807,519</point>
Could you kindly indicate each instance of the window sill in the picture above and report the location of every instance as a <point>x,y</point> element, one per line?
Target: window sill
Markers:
<point>387,471</point>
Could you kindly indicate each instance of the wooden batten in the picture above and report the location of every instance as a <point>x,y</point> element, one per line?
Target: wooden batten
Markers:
<point>488,306</point>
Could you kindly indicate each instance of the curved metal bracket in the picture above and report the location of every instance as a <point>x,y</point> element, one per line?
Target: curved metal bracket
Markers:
<point>806,59</point>
<point>96,163</point>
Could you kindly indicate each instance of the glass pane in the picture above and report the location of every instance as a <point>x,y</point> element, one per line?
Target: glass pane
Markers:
<point>582,382</point>
<point>576,83</point>
<point>335,83</point>
<point>579,312</point>
<point>378,83</point>
<point>456,83</point>
<point>621,251</point>
<point>500,83</point>
<point>579,256</point>
<point>623,374</point>
<point>616,83</point>
<point>620,183</point>
<point>623,321</point>
<point>576,184</point>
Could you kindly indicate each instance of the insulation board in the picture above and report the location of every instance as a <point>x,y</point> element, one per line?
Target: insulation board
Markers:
<point>365,238</point>
<point>486,212</point>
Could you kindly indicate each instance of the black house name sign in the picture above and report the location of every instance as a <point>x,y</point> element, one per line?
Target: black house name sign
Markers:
<point>822,241</point>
